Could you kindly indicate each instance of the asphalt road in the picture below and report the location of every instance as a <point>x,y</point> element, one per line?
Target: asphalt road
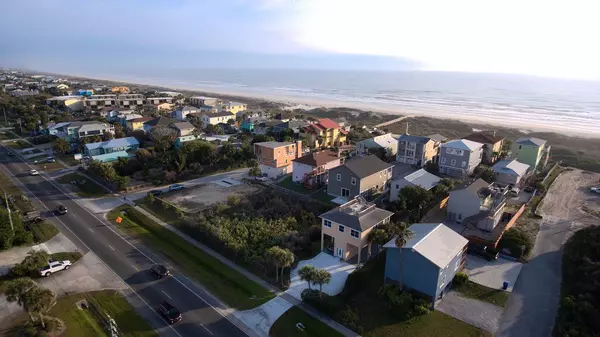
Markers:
<point>132,265</point>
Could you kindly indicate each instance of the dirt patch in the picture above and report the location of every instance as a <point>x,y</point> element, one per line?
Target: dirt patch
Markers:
<point>199,197</point>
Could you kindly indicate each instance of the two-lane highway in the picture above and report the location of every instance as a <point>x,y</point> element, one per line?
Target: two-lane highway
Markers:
<point>128,262</point>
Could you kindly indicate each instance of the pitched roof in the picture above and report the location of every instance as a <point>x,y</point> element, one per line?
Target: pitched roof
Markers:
<point>435,242</point>
<point>274,145</point>
<point>357,214</point>
<point>221,114</point>
<point>183,125</point>
<point>366,166</point>
<point>58,125</point>
<point>422,179</point>
<point>119,142</point>
<point>187,108</point>
<point>317,159</point>
<point>414,139</point>
<point>473,187</point>
<point>531,141</point>
<point>512,167</point>
<point>160,121</point>
<point>384,141</point>
<point>141,120</point>
<point>438,138</point>
<point>484,137</point>
<point>328,123</point>
<point>463,144</point>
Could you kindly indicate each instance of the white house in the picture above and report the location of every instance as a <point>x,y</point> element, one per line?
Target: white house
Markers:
<point>419,178</point>
<point>216,118</point>
<point>182,112</point>
<point>313,168</point>
<point>387,141</point>
<point>510,172</point>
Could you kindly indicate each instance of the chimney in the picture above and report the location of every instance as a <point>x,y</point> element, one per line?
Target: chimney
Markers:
<point>298,149</point>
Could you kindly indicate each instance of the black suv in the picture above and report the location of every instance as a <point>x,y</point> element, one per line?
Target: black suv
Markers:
<point>169,312</point>
<point>160,271</point>
<point>61,210</point>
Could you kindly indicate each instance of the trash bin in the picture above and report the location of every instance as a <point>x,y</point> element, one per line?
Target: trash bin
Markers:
<point>505,285</point>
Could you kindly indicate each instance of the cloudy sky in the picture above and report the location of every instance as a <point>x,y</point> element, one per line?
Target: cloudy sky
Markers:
<point>547,38</point>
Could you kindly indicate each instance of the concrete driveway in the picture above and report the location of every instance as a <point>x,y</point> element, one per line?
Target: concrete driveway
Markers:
<point>532,307</point>
<point>476,313</point>
<point>339,273</point>
<point>493,273</point>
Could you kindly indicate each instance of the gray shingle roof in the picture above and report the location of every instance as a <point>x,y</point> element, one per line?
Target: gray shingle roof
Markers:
<point>438,138</point>
<point>531,141</point>
<point>357,214</point>
<point>414,139</point>
<point>366,166</point>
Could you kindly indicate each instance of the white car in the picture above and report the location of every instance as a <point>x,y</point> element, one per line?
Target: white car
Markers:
<point>595,189</point>
<point>55,266</point>
<point>34,173</point>
<point>261,178</point>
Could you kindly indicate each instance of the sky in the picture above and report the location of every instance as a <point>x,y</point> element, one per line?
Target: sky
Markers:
<point>546,38</point>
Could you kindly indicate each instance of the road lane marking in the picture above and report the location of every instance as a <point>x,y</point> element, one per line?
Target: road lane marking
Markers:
<point>205,328</point>
<point>162,291</point>
<point>111,247</point>
<point>134,267</point>
<point>109,226</point>
<point>89,249</point>
<point>91,230</point>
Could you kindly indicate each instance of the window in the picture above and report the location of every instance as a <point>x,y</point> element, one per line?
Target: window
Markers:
<point>519,147</point>
<point>354,233</point>
<point>286,161</point>
<point>443,160</point>
<point>345,192</point>
<point>459,216</point>
<point>397,186</point>
<point>338,177</point>
<point>453,162</point>
<point>353,181</point>
<point>341,228</point>
<point>457,264</point>
<point>442,281</point>
<point>410,153</point>
<point>327,223</point>
<point>463,164</point>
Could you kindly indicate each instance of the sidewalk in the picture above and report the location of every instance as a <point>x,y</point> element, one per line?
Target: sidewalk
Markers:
<point>290,299</point>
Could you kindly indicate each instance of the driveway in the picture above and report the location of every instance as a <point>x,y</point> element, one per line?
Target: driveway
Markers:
<point>493,273</point>
<point>262,318</point>
<point>339,273</point>
<point>476,313</point>
<point>532,307</point>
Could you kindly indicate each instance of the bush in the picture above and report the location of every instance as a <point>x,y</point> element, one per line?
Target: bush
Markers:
<point>461,278</point>
<point>516,243</point>
<point>403,304</point>
<point>421,310</point>
<point>327,304</point>
<point>22,237</point>
<point>349,318</point>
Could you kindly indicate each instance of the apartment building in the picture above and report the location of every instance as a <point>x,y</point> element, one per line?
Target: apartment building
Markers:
<point>199,101</point>
<point>131,101</point>
<point>159,100</point>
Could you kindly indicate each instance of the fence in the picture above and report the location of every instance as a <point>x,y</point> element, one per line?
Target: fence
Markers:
<point>435,212</point>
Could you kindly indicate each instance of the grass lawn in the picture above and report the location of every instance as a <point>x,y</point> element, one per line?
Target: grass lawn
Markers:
<point>18,144</point>
<point>290,185</point>
<point>43,231</point>
<point>86,323</point>
<point>68,159</point>
<point>285,326</point>
<point>227,284</point>
<point>7,186</point>
<point>89,189</point>
<point>432,325</point>
<point>322,196</point>
<point>6,135</point>
<point>71,256</point>
<point>482,293</point>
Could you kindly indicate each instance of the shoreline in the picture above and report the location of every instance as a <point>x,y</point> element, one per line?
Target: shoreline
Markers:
<point>308,103</point>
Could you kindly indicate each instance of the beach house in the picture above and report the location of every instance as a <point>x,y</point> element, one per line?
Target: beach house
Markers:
<point>460,157</point>
<point>388,143</point>
<point>363,176</point>
<point>313,169</point>
<point>275,158</point>
<point>111,150</point>
<point>66,103</point>
<point>323,133</point>
<point>531,151</point>
<point>492,145</point>
<point>417,150</point>
<point>420,178</point>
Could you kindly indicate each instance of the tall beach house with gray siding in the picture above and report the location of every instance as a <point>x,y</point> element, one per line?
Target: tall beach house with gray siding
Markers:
<point>460,157</point>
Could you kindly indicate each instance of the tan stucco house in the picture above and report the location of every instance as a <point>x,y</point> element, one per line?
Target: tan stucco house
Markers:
<point>492,145</point>
<point>344,229</point>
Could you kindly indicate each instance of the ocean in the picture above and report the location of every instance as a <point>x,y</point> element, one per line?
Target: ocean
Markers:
<point>523,102</point>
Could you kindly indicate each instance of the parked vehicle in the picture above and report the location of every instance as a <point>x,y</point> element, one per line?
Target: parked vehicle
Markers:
<point>10,154</point>
<point>32,217</point>
<point>50,159</point>
<point>261,178</point>
<point>156,192</point>
<point>481,250</point>
<point>160,271</point>
<point>595,190</point>
<point>55,266</point>
<point>514,191</point>
<point>34,173</point>
<point>176,187</point>
<point>169,312</point>
<point>529,189</point>
<point>61,210</point>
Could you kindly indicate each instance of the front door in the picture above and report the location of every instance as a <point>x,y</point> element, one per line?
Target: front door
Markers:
<point>345,192</point>
<point>339,252</point>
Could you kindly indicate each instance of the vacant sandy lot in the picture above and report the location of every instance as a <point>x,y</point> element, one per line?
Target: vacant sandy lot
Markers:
<point>199,197</point>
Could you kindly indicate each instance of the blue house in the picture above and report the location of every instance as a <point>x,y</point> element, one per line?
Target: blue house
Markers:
<point>428,262</point>
<point>112,149</point>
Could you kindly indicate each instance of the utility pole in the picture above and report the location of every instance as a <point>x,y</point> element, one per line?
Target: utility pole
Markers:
<point>9,213</point>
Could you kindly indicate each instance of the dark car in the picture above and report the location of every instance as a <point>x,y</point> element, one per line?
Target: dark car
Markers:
<point>10,154</point>
<point>176,187</point>
<point>61,210</point>
<point>528,189</point>
<point>160,271</point>
<point>169,312</point>
<point>156,192</point>
<point>481,250</point>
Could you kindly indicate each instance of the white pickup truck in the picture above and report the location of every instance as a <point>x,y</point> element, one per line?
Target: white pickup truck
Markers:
<point>55,266</point>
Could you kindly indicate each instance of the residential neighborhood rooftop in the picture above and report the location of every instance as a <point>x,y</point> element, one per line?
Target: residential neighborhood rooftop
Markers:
<point>220,114</point>
<point>463,144</point>
<point>160,121</point>
<point>438,138</point>
<point>183,125</point>
<point>119,142</point>
<point>511,167</point>
<point>484,137</point>
<point>414,139</point>
<point>434,241</point>
<point>422,179</point>
<point>274,145</point>
<point>357,214</point>
<point>530,141</point>
<point>319,158</point>
<point>366,166</point>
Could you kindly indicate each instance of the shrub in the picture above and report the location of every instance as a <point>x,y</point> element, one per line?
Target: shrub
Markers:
<point>421,310</point>
<point>461,278</point>
<point>348,317</point>
<point>516,243</point>
<point>327,304</point>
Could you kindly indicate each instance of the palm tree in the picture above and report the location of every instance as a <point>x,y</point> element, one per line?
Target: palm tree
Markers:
<point>307,273</point>
<point>274,254</point>
<point>379,237</point>
<point>286,260</point>
<point>39,301</point>
<point>403,234</point>
<point>17,289</point>
<point>321,277</point>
